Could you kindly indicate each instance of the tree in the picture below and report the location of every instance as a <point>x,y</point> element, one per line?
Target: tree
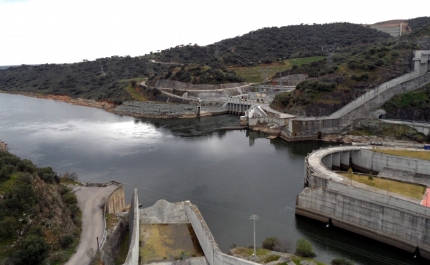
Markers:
<point>304,248</point>
<point>34,251</point>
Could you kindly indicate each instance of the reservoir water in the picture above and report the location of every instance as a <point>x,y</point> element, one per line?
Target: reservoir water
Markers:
<point>228,175</point>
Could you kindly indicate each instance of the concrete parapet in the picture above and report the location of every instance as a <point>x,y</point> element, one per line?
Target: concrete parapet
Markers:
<point>204,235</point>
<point>133,251</point>
<point>421,127</point>
<point>388,217</point>
<point>222,258</point>
<point>116,201</point>
<point>212,252</point>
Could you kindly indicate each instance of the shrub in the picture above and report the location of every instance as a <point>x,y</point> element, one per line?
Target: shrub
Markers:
<point>34,250</point>
<point>270,243</point>
<point>65,241</point>
<point>270,258</point>
<point>304,249</point>
<point>341,261</point>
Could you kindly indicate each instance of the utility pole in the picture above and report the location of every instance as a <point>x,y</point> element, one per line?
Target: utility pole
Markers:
<point>254,217</point>
<point>329,49</point>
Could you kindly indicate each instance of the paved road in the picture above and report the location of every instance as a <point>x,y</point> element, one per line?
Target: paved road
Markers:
<point>90,201</point>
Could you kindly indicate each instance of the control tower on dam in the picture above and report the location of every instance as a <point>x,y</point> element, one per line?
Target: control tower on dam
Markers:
<point>376,213</point>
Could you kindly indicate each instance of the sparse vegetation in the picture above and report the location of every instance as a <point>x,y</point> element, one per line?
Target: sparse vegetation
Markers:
<point>407,153</point>
<point>413,105</point>
<point>406,189</point>
<point>367,127</point>
<point>304,248</point>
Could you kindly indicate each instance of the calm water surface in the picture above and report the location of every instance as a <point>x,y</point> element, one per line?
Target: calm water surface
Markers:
<point>228,175</point>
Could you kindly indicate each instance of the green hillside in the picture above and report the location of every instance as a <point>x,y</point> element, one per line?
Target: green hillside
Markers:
<point>39,217</point>
<point>274,44</point>
<point>362,59</point>
<point>351,74</point>
<point>413,105</point>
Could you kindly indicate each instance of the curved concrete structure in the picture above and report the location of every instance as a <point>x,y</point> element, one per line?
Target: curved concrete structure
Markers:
<point>388,217</point>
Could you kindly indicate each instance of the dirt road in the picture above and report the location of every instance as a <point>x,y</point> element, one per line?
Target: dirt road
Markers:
<point>90,200</point>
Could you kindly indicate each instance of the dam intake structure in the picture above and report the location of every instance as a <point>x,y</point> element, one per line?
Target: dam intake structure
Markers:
<point>378,214</point>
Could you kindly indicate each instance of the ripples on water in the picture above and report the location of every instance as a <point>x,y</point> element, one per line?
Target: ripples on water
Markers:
<point>229,175</point>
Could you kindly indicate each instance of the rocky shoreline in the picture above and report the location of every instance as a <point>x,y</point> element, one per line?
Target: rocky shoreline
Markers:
<point>155,110</point>
<point>3,147</point>
<point>138,109</point>
<point>347,138</point>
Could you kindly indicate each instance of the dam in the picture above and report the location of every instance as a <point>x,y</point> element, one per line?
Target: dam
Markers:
<point>382,215</point>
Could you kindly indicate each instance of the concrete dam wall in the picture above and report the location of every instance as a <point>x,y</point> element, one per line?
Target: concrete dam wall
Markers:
<point>367,105</point>
<point>388,217</point>
<point>133,251</point>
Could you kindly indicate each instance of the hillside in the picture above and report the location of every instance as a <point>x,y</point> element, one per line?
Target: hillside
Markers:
<point>350,75</point>
<point>39,217</point>
<point>418,23</point>
<point>103,79</point>
<point>362,59</point>
<point>414,105</point>
<point>272,44</point>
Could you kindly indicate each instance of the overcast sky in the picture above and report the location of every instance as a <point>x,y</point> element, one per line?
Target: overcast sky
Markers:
<point>66,31</point>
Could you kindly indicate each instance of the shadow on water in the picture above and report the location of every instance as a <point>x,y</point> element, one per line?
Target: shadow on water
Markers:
<point>228,174</point>
<point>194,127</point>
<point>336,241</point>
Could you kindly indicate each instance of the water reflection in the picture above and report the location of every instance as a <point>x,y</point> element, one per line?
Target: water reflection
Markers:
<point>227,174</point>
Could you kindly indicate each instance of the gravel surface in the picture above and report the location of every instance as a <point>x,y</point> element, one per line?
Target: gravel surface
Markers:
<point>90,202</point>
<point>155,110</point>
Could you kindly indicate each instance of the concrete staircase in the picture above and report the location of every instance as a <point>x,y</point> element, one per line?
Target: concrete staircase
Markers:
<point>367,105</point>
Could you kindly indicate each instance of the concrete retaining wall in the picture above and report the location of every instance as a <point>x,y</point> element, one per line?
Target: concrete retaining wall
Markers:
<point>112,245</point>
<point>222,258</point>
<point>367,105</point>
<point>278,121</point>
<point>212,252</point>
<point>116,200</point>
<point>369,161</point>
<point>423,128</point>
<point>204,235</point>
<point>392,225</point>
<point>375,213</point>
<point>133,251</point>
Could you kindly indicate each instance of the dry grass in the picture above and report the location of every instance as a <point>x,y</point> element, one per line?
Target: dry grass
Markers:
<point>254,74</point>
<point>162,242</point>
<point>246,252</point>
<point>409,190</point>
<point>407,153</point>
<point>135,94</point>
